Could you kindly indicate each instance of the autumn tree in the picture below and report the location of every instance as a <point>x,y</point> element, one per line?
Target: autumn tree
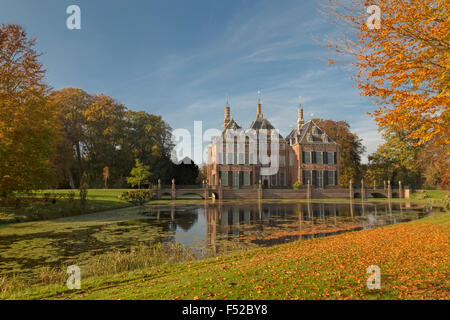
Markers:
<point>99,131</point>
<point>395,160</point>
<point>29,125</point>
<point>351,149</point>
<point>139,174</point>
<point>71,104</point>
<point>403,65</point>
<point>434,162</point>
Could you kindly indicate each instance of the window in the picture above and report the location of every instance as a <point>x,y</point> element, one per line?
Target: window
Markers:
<point>306,156</point>
<point>252,158</point>
<point>291,159</point>
<point>282,146</point>
<point>319,179</point>
<point>282,182</point>
<point>318,157</point>
<point>229,158</point>
<point>247,158</point>
<point>306,175</point>
<point>224,177</point>
<point>330,178</point>
<point>273,180</point>
<point>246,178</point>
<point>330,158</point>
<point>241,158</point>
<point>282,161</point>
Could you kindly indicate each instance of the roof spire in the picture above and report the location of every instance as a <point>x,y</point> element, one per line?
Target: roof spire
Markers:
<point>227,114</point>
<point>258,106</point>
<point>300,120</point>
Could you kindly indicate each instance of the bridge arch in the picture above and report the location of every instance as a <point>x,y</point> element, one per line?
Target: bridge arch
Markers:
<point>190,195</point>
<point>377,195</point>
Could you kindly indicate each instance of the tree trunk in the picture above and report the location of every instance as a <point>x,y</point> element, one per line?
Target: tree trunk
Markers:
<point>70,177</point>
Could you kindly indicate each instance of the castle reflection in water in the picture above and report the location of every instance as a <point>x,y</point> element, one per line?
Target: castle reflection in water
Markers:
<point>253,224</point>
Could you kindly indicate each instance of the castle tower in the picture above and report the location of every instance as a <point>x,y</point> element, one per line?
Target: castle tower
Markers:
<point>227,114</point>
<point>259,106</point>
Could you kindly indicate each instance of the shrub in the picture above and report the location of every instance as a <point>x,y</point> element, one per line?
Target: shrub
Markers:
<point>296,185</point>
<point>138,197</point>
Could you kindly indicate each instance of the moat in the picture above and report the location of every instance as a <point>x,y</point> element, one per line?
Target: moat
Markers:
<point>207,228</point>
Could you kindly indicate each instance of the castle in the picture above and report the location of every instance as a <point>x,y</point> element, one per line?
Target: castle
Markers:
<point>306,154</point>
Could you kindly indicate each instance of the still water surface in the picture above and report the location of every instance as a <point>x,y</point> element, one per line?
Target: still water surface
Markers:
<point>208,228</point>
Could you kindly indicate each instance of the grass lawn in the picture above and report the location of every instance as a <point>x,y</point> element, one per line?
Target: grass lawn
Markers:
<point>414,259</point>
<point>40,205</point>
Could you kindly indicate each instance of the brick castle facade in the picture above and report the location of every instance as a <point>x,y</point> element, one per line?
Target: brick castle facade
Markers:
<point>307,153</point>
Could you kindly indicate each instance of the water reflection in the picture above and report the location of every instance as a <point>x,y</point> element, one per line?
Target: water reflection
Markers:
<point>208,228</point>
<point>236,226</point>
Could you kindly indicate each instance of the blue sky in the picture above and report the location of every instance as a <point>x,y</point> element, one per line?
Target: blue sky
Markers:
<point>180,59</point>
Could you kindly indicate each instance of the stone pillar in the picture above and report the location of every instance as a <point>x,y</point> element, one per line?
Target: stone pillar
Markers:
<point>159,191</point>
<point>308,190</point>
<point>384,185</point>
<point>363,195</point>
<point>400,191</point>
<point>389,191</point>
<point>374,185</point>
<point>174,192</point>
<point>351,194</point>
<point>205,190</point>
<point>407,193</point>
<point>260,191</point>
<point>219,189</point>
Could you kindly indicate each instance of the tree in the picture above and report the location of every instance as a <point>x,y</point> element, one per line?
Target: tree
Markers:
<point>150,140</point>
<point>99,131</point>
<point>202,174</point>
<point>350,152</point>
<point>404,65</point>
<point>395,160</point>
<point>434,162</point>
<point>139,174</point>
<point>29,127</point>
<point>72,105</point>
<point>186,172</point>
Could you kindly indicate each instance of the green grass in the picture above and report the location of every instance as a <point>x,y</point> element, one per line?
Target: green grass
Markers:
<point>40,206</point>
<point>413,257</point>
<point>430,194</point>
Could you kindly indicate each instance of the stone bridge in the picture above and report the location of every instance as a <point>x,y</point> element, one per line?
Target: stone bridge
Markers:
<point>306,192</point>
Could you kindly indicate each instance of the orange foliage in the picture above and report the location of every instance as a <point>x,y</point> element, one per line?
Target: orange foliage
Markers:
<point>404,65</point>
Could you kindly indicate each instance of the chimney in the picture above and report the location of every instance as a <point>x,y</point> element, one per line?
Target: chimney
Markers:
<point>259,106</point>
<point>227,114</point>
<point>300,120</point>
